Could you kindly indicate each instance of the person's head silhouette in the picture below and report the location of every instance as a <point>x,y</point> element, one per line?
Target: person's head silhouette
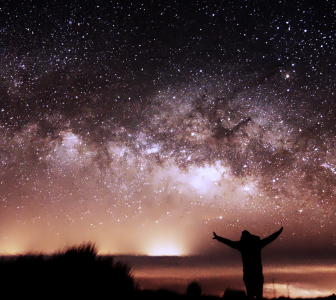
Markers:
<point>245,234</point>
<point>248,238</point>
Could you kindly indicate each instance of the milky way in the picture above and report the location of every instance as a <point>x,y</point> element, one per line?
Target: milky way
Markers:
<point>145,126</point>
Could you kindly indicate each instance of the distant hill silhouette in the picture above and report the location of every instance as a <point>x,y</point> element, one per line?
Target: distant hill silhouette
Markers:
<point>231,294</point>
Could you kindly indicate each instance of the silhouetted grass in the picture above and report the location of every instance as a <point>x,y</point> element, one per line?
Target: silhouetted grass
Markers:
<point>76,273</point>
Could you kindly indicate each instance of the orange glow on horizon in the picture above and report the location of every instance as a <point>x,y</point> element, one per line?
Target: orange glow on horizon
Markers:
<point>164,248</point>
<point>165,251</point>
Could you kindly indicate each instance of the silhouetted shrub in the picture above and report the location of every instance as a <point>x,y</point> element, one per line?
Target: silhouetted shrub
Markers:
<point>77,272</point>
<point>194,290</point>
<point>85,251</point>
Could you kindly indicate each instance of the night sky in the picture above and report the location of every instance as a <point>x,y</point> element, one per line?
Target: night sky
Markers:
<point>144,126</point>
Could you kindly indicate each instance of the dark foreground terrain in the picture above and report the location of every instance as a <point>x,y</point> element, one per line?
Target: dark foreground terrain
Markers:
<point>78,273</point>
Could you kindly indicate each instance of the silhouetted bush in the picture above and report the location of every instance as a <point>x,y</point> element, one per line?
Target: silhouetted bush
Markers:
<point>76,272</point>
<point>85,251</point>
<point>194,290</point>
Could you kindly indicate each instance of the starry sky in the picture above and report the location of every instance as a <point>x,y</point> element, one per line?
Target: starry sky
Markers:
<point>144,126</point>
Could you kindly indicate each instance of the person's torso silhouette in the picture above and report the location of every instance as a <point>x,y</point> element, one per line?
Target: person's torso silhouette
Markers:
<point>250,247</point>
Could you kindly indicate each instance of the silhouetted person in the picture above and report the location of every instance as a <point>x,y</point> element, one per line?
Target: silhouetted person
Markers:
<point>250,247</point>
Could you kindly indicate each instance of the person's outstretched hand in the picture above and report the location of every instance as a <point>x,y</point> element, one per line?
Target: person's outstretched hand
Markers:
<point>215,236</point>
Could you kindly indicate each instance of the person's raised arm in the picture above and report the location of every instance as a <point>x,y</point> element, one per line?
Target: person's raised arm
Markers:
<point>270,238</point>
<point>225,241</point>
